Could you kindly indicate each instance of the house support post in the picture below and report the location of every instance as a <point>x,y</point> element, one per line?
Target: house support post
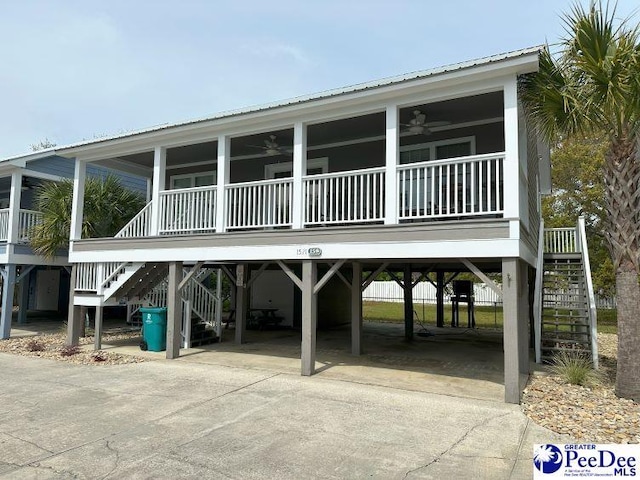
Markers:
<point>8,286</point>
<point>13,228</point>
<point>75,318</point>
<point>24,298</point>
<point>97,329</point>
<point>408,303</point>
<point>299,171</point>
<point>159,175</point>
<point>309,317</point>
<point>242,271</point>
<point>392,154</point>
<point>174,311</point>
<point>224,150</point>
<point>356,309</point>
<point>440,298</point>
<point>77,206</point>
<point>514,298</point>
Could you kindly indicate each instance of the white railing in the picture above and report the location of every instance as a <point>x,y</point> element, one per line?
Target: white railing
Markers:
<point>188,210</point>
<point>593,314</point>
<point>203,302</point>
<point>537,295</point>
<point>560,240</point>
<point>454,187</point>
<point>27,220</point>
<point>346,197</point>
<point>138,226</point>
<point>262,204</point>
<point>87,277</point>
<point>4,224</point>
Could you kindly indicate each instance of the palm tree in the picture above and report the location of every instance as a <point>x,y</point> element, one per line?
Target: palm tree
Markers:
<point>108,206</point>
<point>592,85</point>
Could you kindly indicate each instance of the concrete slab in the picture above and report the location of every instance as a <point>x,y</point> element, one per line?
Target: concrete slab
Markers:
<point>164,419</point>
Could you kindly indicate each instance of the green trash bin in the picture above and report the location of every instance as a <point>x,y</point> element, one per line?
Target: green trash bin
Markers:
<point>154,328</point>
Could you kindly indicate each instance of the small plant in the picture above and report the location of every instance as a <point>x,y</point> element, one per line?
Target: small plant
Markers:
<point>34,345</point>
<point>574,368</point>
<point>69,350</point>
<point>99,356</point>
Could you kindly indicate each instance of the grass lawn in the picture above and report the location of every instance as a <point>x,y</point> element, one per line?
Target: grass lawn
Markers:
<point>486,316</point>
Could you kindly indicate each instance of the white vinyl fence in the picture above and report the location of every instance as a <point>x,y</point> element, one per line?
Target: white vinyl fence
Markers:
<point>424,292</point>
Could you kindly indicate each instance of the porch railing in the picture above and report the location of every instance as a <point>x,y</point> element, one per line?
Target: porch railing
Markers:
<point>138,226</point>
<point>345,197</point>
<point>27,219</point>
<point>188,210</point>
<point>268,203</point>
<point>87,277</point>
<point>451,188</point>
<point>560,240</point>
<point>4,224</point>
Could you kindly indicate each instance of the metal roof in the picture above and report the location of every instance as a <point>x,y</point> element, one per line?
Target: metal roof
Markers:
<point>313,97</point>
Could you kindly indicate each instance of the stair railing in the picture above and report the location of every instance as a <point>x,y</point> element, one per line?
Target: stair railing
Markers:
<point>537,296</point>
<point>586,265</point>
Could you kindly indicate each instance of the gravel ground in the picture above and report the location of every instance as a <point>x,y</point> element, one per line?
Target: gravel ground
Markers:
<point>52,346</point>
<point>587,414</point>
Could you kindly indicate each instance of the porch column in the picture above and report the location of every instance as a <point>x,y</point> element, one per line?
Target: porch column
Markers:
<point>159,176</point>
<point>13,233</point>
<point>75,317</point>
<point>299,170</point>
<point>97,333</point>
<point>392,156</point>
<point>408,303</point>
<point>309,317</point>
<point>511,167</point>
<point>77,208</point>
<point>242,272</point>
<point>174,311</point>
<point>8,286</point>
<point>223,168</point>
<point>24,297</point>
<point>439,298</point>
<point>515,329</point>
<point>356,309</point>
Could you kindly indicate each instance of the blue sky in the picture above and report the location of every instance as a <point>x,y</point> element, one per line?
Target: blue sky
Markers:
<point>73,70</point>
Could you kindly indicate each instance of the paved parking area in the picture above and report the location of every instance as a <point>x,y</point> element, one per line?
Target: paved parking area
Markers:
<point>179,419</point>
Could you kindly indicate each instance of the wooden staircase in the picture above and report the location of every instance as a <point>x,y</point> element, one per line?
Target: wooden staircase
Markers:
<point>566,323</point>
<point>564,306</point>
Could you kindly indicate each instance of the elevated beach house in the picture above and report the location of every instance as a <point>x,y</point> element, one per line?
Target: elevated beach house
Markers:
<point>432,171</point>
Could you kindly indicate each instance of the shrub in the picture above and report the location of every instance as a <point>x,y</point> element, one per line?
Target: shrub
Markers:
<point>34,345</point>
<point>99,356</point>
<point>575,368</point>
<point>69,350</point>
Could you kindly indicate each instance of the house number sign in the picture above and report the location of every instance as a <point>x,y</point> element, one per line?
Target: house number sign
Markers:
<point>310,252</point>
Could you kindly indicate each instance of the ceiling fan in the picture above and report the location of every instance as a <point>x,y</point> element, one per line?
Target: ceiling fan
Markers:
<point>419,125</point>
<point>271,147</point>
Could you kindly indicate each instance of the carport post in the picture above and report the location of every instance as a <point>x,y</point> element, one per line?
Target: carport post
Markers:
<point>515,344</point>
<point>356,309</point>
<point>24,298</point>
<point>439,298</point>
<point>174,311</point>
<point>241,301</point>
<point>8,286</point>
<point>75,317</point>
<point>408,303</point>
<point>309,317</point>
<point>97,329</point>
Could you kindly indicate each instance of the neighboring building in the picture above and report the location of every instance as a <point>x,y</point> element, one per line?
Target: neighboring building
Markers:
<point>434,171</point>
<point>43,283</point>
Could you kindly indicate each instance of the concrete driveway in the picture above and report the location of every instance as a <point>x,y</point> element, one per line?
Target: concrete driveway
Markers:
<point>164,419</point>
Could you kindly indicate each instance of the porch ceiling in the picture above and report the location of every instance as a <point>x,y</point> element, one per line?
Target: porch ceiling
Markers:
<point>456,111</point>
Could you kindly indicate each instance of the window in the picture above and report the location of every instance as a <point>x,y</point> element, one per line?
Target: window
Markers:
<point>422,152</point>
<point>285,169</point>
<point>193,180</point>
